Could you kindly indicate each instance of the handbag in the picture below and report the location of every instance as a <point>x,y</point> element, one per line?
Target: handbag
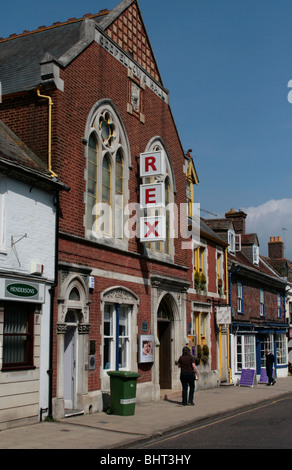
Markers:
<point>194,372</point>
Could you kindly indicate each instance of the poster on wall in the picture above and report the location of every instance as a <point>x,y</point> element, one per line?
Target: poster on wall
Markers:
<point>146,348</point>
<point>192,343</point>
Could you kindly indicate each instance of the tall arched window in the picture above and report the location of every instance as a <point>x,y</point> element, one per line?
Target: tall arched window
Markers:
<point>92,178</point>
<point>108,158</point>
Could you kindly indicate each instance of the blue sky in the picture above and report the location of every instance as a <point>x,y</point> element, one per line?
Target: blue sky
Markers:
<point>227,64</point>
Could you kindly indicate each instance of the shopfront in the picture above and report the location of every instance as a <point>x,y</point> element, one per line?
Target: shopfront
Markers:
<point>24,337</point>
<point>248,346</point>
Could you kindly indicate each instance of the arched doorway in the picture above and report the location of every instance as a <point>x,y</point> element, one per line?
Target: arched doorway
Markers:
<point>164,330</point>
<point>72,346</point>
<point>70,358</point>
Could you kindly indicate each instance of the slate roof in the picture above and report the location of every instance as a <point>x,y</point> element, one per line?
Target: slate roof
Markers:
<point>17,160</point>
<point>239,258</point>
<point>21,55</point>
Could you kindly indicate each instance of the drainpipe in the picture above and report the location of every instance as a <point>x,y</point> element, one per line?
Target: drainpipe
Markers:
<point>117,334</point>
<point>229,303</point>
<point>49,132</point>
<point>52,294</point>
<point>226,276</point>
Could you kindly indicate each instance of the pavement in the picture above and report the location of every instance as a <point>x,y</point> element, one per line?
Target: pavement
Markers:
<point>151,420</point>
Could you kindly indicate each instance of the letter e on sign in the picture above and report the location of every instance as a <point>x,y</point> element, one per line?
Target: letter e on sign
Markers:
<point>152,195</point>
<point>152,164</point>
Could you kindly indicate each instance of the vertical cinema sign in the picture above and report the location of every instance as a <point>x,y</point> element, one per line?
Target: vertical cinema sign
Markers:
<point>152,196</point>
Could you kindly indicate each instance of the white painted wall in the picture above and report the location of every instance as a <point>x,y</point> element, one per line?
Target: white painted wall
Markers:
<point>31,212</point>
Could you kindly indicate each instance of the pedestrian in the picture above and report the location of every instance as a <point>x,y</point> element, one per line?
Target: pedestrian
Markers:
<point>188,368</point>
<point>270,359</point>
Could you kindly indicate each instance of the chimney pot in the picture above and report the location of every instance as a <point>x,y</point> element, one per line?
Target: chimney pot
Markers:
<point>276,248</point>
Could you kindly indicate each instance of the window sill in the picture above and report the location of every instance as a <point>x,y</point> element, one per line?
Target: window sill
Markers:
<point>16,368</point>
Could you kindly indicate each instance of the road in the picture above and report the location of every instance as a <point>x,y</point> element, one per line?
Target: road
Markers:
<point>265,426</point>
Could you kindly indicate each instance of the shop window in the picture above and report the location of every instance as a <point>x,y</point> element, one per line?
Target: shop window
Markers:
<point>281,348</point>
<point>18,336</point>
<point>245,352</point>
<point>266,343</point>
<point>116,340</point>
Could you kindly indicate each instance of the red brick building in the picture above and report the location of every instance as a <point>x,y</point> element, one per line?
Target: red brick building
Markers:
<point>87,97</point>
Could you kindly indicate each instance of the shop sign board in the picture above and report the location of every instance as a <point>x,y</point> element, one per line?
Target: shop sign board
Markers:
<point>21,290</point>
<point>247,377</point>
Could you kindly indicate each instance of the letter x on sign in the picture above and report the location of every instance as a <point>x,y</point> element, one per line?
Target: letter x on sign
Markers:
<point>152,228</point>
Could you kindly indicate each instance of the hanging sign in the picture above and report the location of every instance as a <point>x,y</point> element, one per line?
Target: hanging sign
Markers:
<point>152,195</point>
<point>152,164</point>
<point>223,315</point>
<point>152,229</point>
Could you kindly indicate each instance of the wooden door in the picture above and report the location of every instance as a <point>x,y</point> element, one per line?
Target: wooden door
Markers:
<point>164,336</point>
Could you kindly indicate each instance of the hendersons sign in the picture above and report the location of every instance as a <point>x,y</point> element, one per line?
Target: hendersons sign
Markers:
<point>22,290</point>
<point>18,290</point>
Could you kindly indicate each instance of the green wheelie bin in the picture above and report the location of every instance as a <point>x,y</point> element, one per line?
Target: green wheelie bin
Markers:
<point>123,386</point>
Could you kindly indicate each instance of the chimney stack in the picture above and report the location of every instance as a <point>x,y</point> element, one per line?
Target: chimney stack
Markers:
<point>276,248</point>
<point>238,220</point>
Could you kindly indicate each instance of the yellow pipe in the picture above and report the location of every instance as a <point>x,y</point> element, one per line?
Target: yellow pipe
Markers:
<point>226,277</point>
<point>49,132</point>
<point>228,303</point>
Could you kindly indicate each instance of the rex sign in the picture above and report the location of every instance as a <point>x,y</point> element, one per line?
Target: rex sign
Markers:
<point>152,196</point>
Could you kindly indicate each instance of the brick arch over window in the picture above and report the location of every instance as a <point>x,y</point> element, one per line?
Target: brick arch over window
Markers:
<point>108,161</point>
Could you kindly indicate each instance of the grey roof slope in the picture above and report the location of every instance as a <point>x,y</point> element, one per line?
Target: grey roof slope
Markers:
<point>21,56</point>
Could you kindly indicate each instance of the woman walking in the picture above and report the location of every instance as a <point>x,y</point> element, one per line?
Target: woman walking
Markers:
<point>187,365</point>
